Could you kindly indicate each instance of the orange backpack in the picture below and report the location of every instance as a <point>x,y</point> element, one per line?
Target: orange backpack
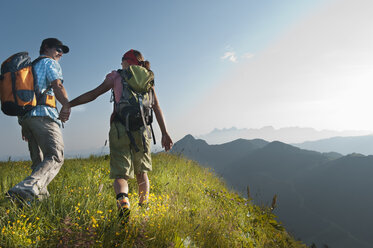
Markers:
<point>17,86</point>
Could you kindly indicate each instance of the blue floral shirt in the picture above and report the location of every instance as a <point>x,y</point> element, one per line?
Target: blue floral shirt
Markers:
<point>47,70</point>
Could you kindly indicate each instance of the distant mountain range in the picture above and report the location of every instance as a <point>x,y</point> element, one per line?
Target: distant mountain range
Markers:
<point>323,198</point>
<point>343,145</point>
<point>286,135</point>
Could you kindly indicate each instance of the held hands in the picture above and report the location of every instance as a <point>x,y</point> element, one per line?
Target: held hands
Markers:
<point>166,142</point>
<point>65,112</point>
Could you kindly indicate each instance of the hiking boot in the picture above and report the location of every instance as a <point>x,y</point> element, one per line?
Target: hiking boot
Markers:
<point>17,199</point>
<point>123,204</point>
<point>13,197</point>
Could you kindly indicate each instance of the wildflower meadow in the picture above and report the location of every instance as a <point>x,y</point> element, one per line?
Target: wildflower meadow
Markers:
<point>188,207</point>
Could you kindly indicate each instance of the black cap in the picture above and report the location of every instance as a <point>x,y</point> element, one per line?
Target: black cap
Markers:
<point>53,42</point>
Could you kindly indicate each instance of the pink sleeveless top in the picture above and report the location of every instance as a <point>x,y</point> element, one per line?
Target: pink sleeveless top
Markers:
<point>117,87</point>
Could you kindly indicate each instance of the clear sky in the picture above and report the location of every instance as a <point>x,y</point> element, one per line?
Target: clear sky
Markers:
<point>217,64</point>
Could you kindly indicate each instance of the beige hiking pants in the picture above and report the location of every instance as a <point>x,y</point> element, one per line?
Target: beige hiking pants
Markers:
<point>46,150</point>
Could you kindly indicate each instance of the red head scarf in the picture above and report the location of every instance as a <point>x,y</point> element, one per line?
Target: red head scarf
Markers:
<point>131,58</point>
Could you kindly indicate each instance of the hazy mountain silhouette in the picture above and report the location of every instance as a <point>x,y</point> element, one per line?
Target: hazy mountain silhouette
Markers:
<point>343,145</point>
<point>286,134</point>
<point>342,194</point>
<point>322,197</point>
<point>216,155</point>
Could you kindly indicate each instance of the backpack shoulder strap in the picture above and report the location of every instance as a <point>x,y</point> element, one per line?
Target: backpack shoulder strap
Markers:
<point>38,59</point>
<point>37,91</point>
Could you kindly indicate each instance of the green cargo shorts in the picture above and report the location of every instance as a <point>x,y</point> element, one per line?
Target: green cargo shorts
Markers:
<point>124,160</point>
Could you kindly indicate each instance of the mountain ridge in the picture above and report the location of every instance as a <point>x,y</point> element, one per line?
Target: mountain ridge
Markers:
<point>269,133</point>
<point>300,178</point>
<point>344,145</point>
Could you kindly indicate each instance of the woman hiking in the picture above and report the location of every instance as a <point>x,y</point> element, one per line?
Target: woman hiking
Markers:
<point>129,137</point>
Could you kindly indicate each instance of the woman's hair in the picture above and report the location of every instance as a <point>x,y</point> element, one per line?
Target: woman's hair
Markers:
<point>140,59</point>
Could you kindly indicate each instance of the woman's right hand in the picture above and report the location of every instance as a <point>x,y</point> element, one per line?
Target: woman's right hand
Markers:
<point>65,113</point>
<point>166,142</point>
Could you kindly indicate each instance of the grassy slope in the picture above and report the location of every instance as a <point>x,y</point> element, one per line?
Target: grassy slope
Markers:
<point>189,207</point>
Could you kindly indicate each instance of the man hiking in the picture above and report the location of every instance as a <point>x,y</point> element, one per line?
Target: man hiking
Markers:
<point>41,126</point>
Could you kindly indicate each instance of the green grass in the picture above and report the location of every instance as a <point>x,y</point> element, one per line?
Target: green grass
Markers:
<point>188,207</point>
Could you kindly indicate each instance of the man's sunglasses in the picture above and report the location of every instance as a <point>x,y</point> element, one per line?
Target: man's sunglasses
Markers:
<point>59,49</point>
